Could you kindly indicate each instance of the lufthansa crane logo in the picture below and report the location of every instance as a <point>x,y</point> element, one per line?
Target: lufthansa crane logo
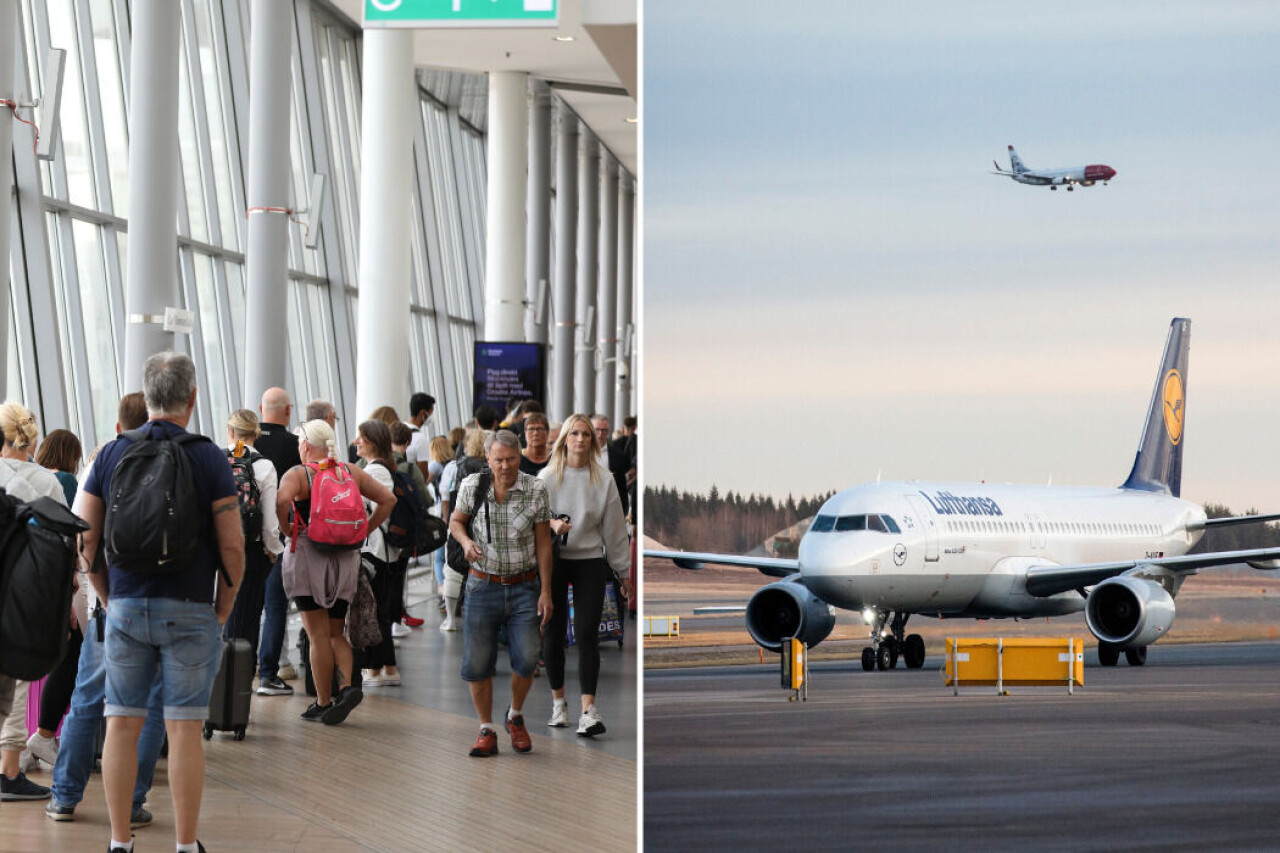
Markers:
<point>1173,406</point>
<point>899,554</point>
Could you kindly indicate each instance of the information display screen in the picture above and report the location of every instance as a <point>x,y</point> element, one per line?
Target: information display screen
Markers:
<point>507,371</point>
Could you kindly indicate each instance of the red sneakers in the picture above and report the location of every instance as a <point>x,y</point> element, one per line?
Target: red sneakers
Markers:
<point>486,744</point>
<point>412,621</point>
<point>520,741</point>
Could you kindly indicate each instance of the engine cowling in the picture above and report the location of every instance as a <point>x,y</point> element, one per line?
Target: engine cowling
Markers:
<point>1129,611</point>
<point>788,609</point>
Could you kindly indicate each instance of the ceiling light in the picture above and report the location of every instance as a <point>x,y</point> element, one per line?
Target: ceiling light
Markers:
<point>631,120</point>
<point>563,38</point>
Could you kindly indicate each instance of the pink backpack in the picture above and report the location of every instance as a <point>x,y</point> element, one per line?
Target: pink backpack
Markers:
<point>338,520</point>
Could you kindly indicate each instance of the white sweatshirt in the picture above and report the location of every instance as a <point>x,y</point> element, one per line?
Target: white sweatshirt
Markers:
<point>599,527</point>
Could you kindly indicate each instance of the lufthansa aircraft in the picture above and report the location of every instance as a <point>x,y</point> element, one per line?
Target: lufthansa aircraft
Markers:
<point>1085,176</point>
<point>891,550</point>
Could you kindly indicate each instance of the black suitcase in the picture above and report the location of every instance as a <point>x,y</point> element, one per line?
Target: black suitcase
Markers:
<point>232,690</point>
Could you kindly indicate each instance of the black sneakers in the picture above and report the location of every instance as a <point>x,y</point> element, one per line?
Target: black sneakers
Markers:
<point>21,788</point>
<point>316,712</point>
<point>348,698</point>
<point>273,686</point>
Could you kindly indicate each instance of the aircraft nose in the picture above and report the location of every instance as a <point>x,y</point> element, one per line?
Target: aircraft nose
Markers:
<point>1110,172</point>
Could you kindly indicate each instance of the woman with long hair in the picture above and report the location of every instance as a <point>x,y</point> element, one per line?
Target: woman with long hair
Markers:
<point>60,452</point>
<point>373,445</point>
<point>26,481</point>
<point>322,583</point>
<point>594,550</point>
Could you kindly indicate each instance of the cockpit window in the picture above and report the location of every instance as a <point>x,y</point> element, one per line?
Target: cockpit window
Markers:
<point>823,524</point>
<point>890,524</point>
<point>874,523</point>
<point>851,522</point>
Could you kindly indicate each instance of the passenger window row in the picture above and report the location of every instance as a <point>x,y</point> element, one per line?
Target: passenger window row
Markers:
<point>1071,527</point>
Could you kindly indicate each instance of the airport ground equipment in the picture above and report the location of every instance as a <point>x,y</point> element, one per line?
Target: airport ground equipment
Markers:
<point>1023,662</point>
<point>795,668</point>
<point>662,626</point>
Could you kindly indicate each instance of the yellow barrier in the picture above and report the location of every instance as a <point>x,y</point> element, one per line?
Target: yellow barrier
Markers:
<point>662,626</point>
<point>1025,662</point>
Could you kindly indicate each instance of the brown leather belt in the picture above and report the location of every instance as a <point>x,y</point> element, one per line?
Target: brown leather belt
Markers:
<point>505,580</point>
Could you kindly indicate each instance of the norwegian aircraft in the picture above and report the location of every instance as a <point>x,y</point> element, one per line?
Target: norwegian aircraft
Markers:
<point>1085,176</point>
<point>951,550</point>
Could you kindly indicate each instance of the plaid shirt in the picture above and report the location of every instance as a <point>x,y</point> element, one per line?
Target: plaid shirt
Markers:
<point>513,550</point>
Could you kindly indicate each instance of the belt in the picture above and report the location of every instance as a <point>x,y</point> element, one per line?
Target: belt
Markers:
<point>505,580</point>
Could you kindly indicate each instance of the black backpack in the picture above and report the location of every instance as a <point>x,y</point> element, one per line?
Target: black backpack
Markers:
<point>249,494</point>
<point>37,569</point>
<point>152,522</point>
<point>467,465</point>
<point>453,555</point>
<point>409,515</point>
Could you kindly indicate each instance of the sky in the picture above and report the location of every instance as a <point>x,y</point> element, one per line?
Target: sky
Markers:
<point>836,289</point>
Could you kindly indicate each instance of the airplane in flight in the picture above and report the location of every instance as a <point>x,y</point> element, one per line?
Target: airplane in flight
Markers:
<point>977,550</point>
<point>1085,176</point>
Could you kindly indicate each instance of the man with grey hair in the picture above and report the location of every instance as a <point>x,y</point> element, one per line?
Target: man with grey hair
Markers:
<point>502,521</point>
<point>165,607</point>
<point>322,410</point>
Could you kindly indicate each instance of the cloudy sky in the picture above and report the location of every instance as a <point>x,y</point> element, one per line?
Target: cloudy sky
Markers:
<point>836,289</point>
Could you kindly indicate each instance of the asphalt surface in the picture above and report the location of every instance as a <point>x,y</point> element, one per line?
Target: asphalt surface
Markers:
<point>1183,753</point>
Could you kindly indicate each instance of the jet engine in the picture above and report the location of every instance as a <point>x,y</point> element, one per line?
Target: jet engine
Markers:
<point>788,609</point>
<point>1128,611</point>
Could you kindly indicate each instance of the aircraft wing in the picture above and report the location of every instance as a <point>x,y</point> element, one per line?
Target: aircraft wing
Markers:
<point>1043,581</point>
<point>774,567</point>
<point>1235,519</point>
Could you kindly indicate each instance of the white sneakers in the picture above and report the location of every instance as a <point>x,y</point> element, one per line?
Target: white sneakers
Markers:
<point>590,724</point>
<point>559,715</point>
<point>44,748</point>
<point>399,629</point>
<point>448,624</point>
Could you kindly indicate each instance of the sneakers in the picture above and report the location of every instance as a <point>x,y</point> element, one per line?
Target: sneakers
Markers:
<point>140,817</point>
<point>348,699</point>
<point>590,724</point>
<point>399,630</point>
<point>485,745</point>
<point>273,686</point>
<point>559,716</point>
<point>44,748</point>
<point>21,788</point>
<point>520,741</point>
<point>287,673</point>
<point>412,621</point>
<point>448,624</point>
<point>115,849</point>
<point>316,712</point>
<point>57,811</point>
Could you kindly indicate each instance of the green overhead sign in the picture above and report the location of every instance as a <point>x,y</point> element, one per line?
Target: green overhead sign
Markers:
<point>460,13</point>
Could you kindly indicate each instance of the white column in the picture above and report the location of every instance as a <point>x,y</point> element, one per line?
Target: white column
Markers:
<point>626,225</point>
<point>8,49</point>
<point>267,258</point>
<point>386,185</point>
<point>151,283</point>
<point>538,243</point>
<point>562,357</point>
<point>584,374</point>
<point>607,287</point>
<point>504,259</point>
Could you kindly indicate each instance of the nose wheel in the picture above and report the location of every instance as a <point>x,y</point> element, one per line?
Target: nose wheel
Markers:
<point>888,646</point>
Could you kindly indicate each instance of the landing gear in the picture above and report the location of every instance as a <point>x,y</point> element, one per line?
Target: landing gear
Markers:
<point>887,646</point>
<point>1108,654</point>
<point>1136,656</point>
<point>1055,189</point>
<point>1070,188</point>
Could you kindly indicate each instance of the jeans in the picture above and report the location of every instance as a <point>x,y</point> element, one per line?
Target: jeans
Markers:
<point>489,606</point>
<point>438,556</point>
<point>274,614</point>
<point>181,641</point>
<point>80,729</point>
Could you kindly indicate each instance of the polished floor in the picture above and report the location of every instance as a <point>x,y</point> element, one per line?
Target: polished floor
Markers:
<point>395,776</point>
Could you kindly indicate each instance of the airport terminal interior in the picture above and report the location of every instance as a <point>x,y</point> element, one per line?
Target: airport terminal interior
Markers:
<point>299,197</point>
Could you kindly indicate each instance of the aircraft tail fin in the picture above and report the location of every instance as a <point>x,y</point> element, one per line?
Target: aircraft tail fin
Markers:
<point>1016,162</point>
<point>1158,465</point>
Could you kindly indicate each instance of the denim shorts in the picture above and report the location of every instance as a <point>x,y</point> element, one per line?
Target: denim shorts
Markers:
<point>489,606</point>
<point>182,639</point>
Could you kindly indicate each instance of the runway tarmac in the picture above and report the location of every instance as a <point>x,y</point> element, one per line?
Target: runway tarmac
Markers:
<point>1183,753</point>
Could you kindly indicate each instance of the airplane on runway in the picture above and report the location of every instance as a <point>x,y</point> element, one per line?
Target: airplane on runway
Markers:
<point>1085,176</point>
<point>892,550</point>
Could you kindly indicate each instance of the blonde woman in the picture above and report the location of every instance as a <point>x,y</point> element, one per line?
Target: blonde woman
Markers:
<point>26,481</point>
<point>323,584</point>
<point>594,549</point>
<point>262,545</point>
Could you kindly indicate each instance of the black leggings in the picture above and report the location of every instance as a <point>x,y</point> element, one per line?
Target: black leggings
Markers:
<point>588,578</point>
<point>58,687</point>
<point>246,613</point>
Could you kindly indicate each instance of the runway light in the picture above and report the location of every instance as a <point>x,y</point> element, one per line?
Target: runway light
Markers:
<point>868,615</point>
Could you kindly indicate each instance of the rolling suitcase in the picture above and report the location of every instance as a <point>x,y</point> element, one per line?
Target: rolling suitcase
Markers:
<point>232,690</point>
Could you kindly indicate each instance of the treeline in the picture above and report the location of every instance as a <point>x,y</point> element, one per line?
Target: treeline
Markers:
<point>730,523</point>
<point>1236,537</point>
